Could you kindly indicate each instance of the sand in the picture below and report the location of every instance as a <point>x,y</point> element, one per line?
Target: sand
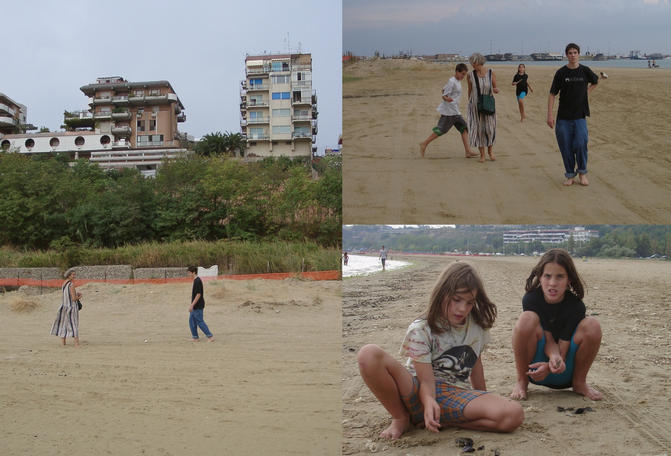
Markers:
<point>269,384</point>
<point>389,107</point>
<point>629,297</point>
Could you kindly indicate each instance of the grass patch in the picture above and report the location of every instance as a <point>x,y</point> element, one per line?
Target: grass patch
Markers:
<point>237,257</point>
<point>347,78</point>
<point>22,305</point>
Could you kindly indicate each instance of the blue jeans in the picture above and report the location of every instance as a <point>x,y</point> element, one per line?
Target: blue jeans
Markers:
<point>572,140</point>
<point>196,321</point>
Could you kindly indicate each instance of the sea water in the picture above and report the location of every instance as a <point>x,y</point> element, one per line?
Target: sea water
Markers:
<point>360,265</point>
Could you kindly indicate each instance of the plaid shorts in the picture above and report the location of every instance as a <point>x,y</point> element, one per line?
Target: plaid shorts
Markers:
<point>452,401</point>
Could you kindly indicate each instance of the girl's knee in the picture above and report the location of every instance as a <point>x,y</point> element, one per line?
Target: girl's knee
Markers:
<point>589,328</point>
<point>528,322</point>
<point>512,416</point>
<point>369,354</point>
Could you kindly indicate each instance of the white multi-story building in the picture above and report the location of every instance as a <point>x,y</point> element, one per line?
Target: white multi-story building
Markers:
<point>549,236</point>
<point>12,115</point>
<point>278,107</point>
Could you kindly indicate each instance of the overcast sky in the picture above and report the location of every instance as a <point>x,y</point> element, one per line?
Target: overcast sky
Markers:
<point>52,48</point>
<point>499,26</point>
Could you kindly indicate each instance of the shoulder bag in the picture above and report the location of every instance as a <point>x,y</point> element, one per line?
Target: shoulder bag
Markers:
<point>486,104</point>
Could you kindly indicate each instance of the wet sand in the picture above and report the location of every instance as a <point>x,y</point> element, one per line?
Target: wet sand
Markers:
<point>269,384</point>
<point>629,297</point>
<point>389,107</point>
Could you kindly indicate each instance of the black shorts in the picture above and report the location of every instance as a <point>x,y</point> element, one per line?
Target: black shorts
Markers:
<point>446,122</point>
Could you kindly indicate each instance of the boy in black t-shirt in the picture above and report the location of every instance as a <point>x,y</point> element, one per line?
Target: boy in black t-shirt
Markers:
<point>196,308</point>
<point>553,341</point>
<point>572,82</point>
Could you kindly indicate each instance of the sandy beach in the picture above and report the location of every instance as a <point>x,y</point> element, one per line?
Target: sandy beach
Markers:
<point>630,299</point>
<point>269,384</point>
<point>389,107</point>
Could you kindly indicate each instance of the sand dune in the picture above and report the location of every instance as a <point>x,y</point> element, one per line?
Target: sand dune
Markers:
<point>389,106</point>
<point>629,297</point>
<point>270,384</point>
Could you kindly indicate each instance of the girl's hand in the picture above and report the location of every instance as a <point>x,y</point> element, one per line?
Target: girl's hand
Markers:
<point>538,371</point>
<point>556,364</point>
<point>432,416</point>
<point>496,90</point>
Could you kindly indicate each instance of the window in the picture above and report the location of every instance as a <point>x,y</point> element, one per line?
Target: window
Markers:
<point>281,96</point>
<point>280,129</point>
<point>256,100</point>
<point>256,133</point>
<point>140,125</point>
<point>255,115</point>
<point>140,112</point>
<point>152,125</point>
<point>301,113</point>
<point>154,92</point>
<point>302,132</point>
<point>139,93</point>
<point>283,79</point>
<point>280,66</point>
<point>79,141</point>
<point>256,82</point>
<point>281,112</point>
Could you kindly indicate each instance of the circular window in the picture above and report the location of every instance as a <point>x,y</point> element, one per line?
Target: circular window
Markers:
<point>54,142</point>
<point>79,141</point>
<point>104,140</point>
<point>4,145</point>
<point>30,143</point>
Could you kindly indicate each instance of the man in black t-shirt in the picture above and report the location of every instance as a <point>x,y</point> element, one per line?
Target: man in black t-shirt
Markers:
<point>196,308</point>
<point>572,83</point>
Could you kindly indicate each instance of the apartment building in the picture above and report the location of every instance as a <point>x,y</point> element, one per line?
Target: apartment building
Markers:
<point>129,124</point>
<point>549,236</point>
<point>278,107</point>
<point>12,115</point>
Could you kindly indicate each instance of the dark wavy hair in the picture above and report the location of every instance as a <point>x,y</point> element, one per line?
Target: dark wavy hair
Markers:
<point>457,277</point>
<point>563,259</point>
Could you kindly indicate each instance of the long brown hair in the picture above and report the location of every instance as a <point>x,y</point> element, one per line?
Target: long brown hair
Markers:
<point>459,276</point>
<point>563,259</point>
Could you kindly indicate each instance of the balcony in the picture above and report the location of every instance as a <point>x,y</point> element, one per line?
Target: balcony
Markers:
<point>100,101</point>
<point>124,131</point>
<point>120,99</point>
<point>258,87</point>
<point>265,69</point>
<point>296,102</point>
<point>181,117</point>
<point>258,120</point>
<point>121,144</point>
<point>5,121</point>
<point>121,115</point>
<point>102,115</point>
<point>301,135</point>
<point>303,118</point>
<point>257,137</point>
<point>301,84</point>
<point>6,109</point>
<point>257,104</point>
<point>243,122</point>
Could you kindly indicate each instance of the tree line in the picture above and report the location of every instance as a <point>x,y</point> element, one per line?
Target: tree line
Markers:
<point>613,241</point>
<point>47,202</point>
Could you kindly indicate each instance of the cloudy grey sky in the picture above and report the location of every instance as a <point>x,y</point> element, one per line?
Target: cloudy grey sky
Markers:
<point>517,26</point>
<point>52,48</point>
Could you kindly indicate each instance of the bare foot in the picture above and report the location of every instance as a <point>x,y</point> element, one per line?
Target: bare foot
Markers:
<point>583,180</point>
<point>568,182</point>
<point>422,149</point>
<point>519,391</point>
<point>492,157</point>
<point>470,154</point>
<point>482,159</point>
<point>587,391</point>
<point>210,339</point>
<point>396,428</point>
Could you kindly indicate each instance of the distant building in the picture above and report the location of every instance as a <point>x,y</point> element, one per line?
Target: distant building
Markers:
<point>12,115</point>
<point>129,124</point>
<point>278,107</point>
<point>549,236</point>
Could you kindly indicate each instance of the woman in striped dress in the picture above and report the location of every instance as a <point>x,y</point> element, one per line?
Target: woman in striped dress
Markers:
<point>481,127</point>
<point>67,319</point>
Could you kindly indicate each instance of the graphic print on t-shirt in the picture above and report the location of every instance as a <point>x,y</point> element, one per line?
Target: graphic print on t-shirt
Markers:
<point>455,364</point>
